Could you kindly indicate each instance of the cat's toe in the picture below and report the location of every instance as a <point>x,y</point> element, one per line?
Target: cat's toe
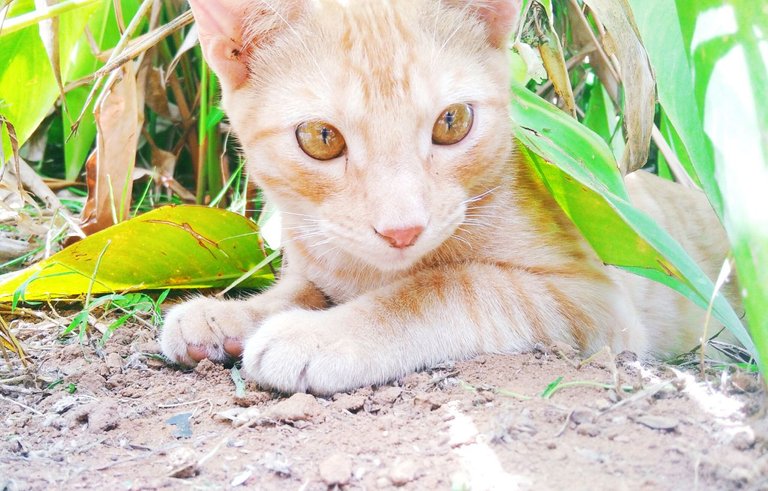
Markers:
<point>295,351</point>
<point>203,328</point>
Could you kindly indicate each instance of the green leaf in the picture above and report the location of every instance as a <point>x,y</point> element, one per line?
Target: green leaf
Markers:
<point>106,33</point>
<point>712,74</point>
<point>579,169</point>
<point>551,388</point>
<point>26,70</point>
<point>170,247</point>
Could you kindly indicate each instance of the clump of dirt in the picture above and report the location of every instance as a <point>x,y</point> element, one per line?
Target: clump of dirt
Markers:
<point>116,416</point>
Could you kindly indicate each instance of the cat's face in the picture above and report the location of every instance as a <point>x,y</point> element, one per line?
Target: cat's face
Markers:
<point>372,124</point>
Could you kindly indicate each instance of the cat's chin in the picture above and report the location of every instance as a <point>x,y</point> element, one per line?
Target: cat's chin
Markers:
<point>392,261</point>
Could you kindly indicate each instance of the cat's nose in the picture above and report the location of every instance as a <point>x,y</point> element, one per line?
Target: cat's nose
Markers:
<point>401,237</point>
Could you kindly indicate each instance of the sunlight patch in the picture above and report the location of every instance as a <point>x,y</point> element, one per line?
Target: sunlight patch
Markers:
<point>480,466</point>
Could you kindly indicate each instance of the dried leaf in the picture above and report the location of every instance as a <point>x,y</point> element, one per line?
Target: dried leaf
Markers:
<point>538,31</point>
<point>622,39</point>
<point>119,117</point>
<point>156,94</point>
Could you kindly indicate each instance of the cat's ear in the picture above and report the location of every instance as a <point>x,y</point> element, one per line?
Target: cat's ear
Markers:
<point>229,29</point>
<point>499,16</point>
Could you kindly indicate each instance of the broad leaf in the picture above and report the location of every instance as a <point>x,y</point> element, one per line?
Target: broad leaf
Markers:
<point>580,171</point>
<point>170,247</point>
<point>23,58</point>
<point>712,71</point>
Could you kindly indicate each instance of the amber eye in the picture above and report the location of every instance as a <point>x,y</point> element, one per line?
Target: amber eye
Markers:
<point>453,125</point>
<point>320,140</point>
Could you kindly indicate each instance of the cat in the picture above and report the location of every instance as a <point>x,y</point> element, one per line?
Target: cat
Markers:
<point>413,232</point>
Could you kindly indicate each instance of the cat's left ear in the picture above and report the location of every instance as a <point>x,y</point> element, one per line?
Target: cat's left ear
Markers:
<point>499,16</point>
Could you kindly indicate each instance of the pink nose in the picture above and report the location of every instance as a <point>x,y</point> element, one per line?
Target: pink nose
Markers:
<point>401,237</point>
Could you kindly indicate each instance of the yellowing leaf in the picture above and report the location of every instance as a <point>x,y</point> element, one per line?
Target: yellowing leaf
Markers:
<point>170,247</point>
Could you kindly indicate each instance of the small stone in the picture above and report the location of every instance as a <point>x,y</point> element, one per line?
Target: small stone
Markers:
<point>588,429</point>
<point>64,404</point>
<point>430,401</point>
<point>582,415</point>
<point>336,470</point>
<point>387,395</point>
<point>349,402</point>
<point>114,361</point>
<point>99,415</point>
<point>603,404</point>
<point>90,382</point>
<point>183,463</point>
<point>743,440</point>
<point>658,422</point>
<point>298,407</point>
<point>403,472</point>
<point>740,475</point>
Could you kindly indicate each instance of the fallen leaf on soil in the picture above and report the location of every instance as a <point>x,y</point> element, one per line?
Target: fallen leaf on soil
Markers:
<point>169,247</point>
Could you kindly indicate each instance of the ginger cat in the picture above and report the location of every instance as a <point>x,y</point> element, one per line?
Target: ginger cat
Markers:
<point>413,234</point>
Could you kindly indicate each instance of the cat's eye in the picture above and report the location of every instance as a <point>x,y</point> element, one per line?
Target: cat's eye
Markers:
<point>453,124</point>
<point>320,140</point>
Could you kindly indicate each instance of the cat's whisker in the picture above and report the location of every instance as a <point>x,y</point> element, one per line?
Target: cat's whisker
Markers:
<point>480,196</point>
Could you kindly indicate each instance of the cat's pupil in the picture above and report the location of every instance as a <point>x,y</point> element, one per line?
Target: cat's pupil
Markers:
<point>325,134</point>
<point>450,118</point>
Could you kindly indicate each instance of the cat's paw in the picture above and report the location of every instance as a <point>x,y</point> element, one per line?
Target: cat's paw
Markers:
<point>206,328</point>
<point>307,351</point>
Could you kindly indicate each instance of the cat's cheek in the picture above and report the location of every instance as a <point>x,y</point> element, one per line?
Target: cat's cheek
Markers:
<point>297,351</point>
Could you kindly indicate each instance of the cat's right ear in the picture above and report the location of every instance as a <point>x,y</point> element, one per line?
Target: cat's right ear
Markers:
<point>220,30</point>
<point>229,29</point>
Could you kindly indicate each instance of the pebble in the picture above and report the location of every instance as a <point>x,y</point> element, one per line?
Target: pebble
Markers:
<point>743,440</point>
<point>114,361</point>
<point>102,415</point>
<point>336,470</point>
<point>658,422</point>
<point>430,401</point>
<point>582,415</point>
<point>350,402</point>
<point>403,472</point>
<point>298,407</point>
<point>183,463</point>
<point>387,395</point>
<point>588,429</point>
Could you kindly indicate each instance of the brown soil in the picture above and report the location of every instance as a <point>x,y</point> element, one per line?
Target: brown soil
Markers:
<point>474,425</point>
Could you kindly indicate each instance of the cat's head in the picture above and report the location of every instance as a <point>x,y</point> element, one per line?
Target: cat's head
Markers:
<point>370,123</point>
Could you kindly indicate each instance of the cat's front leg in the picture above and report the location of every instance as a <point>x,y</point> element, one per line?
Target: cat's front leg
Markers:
<point>216,329</point>
<point>427,318</point>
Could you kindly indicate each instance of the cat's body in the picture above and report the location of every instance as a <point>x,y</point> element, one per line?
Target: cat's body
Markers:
<point>401,252</point>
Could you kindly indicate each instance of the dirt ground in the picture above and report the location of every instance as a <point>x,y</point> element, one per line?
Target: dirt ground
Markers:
<point>117,417</point>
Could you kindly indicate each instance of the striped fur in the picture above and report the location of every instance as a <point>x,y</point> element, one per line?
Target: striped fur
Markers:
<point>498,267</point>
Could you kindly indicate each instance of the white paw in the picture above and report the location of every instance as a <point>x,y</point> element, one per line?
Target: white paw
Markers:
<point>205,328</point>
<point>311,351</point>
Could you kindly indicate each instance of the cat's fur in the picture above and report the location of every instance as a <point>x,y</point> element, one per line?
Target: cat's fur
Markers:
<point>498,267</point>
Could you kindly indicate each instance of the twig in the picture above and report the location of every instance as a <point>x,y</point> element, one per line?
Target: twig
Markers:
<point>22,405</point>
<point>179,404</point>
<point>675,166</point>
<point>20,390</point>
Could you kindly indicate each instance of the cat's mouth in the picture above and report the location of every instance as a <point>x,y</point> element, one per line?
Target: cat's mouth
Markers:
<point>385,256</point>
